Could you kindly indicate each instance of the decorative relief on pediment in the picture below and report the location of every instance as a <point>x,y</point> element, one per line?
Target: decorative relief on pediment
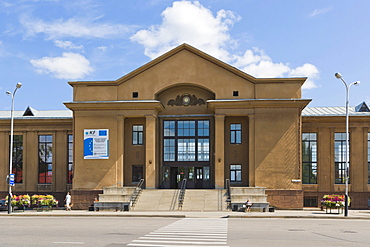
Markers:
<point>186,100</point>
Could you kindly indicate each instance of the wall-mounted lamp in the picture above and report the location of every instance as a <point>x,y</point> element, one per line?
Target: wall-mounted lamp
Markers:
<point>150,161</point>
<point>219,159</point>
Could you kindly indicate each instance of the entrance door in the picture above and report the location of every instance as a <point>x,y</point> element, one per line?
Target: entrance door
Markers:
<point>174,178</point>
<point>198,177</point>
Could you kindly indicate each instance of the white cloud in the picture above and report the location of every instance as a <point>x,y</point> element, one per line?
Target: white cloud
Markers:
<point>317,12</point>
<point>258,64</point>
<point>72,28</point>
<point>68,66</point>
<point>306,70</point>
<point>190,22</point>
<point>67,45</point>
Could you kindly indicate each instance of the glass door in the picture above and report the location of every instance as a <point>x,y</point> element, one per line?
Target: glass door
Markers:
<point>198,177</point>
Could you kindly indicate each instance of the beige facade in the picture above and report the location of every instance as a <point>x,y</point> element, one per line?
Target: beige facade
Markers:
<point>196,118</point>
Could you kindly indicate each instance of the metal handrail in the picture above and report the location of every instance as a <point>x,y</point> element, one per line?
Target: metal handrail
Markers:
<point>182,193</point>
<point>136,193</point>
<point>228,193</point>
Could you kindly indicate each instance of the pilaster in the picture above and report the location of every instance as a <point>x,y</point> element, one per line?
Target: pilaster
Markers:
<point>150,151</point>
<point>219,151</point>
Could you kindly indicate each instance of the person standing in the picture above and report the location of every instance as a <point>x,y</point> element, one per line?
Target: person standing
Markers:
<point>68,201</point>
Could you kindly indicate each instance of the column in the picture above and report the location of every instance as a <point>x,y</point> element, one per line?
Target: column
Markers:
<point>251,150</point>
<point>219,151</point>
<point>120,151</point>
<point>150,151</point>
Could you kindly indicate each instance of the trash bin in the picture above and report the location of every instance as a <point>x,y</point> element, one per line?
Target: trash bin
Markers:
<point>126,207</point>
<point>235,208</point>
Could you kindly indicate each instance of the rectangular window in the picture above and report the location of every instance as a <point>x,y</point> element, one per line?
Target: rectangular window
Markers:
<point>309,158</point>
<point>368,158</point>
<point>137,134</point>
<point>45,159</point>
<point>186,150</point>
<point>137,173</point>
<point>169,128</point>
<point>186,128</point>
<point>70,159</point>
<point>235,133</point>
<point>169,149</point>
<point>203,149</point>
<point>203,128</point>
<point>235,173</point>
<point>310,201</point>
<point>340,157</point>
<point>17,159</point>
<point>186,140</point>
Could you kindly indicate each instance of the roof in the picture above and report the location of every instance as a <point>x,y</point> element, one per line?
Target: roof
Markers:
<point>360,110</point>
<point>31,113</point>
<point>331,111</point>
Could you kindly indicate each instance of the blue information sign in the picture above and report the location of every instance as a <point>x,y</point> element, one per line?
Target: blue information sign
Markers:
<point>11,179</point>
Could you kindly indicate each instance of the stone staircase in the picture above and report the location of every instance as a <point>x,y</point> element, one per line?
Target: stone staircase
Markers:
<point>257,196</point>
<point>116,194</point>
<point>194,199</point>
<point>157,200</point>
<point>205,200</point>
<point>114,198</point>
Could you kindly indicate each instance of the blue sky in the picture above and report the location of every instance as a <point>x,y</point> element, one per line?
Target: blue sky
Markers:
<point>46,43</point>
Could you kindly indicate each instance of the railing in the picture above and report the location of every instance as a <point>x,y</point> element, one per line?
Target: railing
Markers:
<point>182,194</point>
<point>228,193</point>
<point>136,193</point>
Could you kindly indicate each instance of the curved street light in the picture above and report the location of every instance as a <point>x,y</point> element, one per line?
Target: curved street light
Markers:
<point>339,76</point>
<point>19,85</point>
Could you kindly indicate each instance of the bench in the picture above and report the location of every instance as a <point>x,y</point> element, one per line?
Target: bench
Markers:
<point>256,207</point>
<point>115,206</point>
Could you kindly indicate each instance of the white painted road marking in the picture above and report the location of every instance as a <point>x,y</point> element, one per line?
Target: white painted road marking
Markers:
<point>193,232</point>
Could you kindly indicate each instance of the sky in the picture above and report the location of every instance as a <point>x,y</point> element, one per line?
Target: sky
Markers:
<point>44,44</point>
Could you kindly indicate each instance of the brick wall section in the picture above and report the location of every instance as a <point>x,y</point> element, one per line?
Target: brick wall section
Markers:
<point>359,200</point>
<point>83,199</point>
<point>285,199</point>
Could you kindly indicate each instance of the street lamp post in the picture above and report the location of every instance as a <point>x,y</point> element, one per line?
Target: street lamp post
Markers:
<point>339,76</point>
<point>19,85</point>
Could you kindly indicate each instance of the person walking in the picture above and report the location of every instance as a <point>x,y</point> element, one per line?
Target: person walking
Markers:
<point>68,201</point>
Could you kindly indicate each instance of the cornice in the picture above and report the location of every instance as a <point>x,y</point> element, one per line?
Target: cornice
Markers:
<point>115,105</point>
<point>258,103</point>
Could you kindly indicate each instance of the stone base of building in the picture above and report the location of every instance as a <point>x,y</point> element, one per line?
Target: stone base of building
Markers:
<point>359,200</point>
<point>83,199</point>
<point>285,199</point>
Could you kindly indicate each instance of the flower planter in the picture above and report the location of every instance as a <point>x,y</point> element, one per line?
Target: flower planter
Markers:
<point>333,204</point>
<point>334,210</point>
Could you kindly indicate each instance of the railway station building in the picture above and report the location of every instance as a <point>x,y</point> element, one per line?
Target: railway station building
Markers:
<point>188,115</point>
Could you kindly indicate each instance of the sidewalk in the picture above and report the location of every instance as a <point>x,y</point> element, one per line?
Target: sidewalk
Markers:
<point>313,214</point>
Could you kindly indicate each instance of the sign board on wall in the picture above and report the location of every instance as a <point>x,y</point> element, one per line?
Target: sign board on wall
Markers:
<point>96,144</point>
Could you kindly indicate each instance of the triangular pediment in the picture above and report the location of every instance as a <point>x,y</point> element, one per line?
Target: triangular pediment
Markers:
<point>193,50</point>
<point>207,57</point>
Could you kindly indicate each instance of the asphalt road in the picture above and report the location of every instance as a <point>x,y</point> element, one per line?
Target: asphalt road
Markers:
<point>127,231</point>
